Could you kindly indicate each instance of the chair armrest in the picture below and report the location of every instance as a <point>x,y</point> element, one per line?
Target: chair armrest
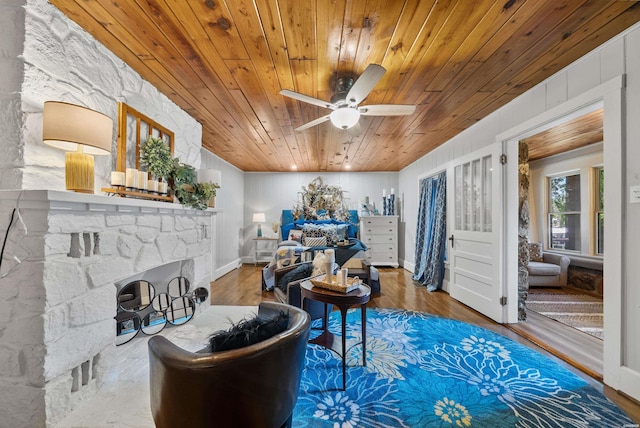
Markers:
<point>279,273</point>
<point>294,296</point>
<point>560,260</point>
<point>557,259</point>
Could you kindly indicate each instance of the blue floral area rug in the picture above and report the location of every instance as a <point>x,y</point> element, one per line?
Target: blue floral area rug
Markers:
<point>427,371</point>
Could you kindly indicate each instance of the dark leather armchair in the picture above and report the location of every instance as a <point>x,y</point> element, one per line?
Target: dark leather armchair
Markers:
<point>254,386</point>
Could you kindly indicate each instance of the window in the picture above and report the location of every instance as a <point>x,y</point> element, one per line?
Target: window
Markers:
<point>473,195</point>
<point>600,211</point>
<point>564,212</point>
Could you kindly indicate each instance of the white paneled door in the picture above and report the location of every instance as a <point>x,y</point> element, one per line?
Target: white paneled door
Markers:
<point>475,243</point>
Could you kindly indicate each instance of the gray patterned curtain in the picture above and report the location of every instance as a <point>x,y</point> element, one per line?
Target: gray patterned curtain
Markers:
<point>431,232</point>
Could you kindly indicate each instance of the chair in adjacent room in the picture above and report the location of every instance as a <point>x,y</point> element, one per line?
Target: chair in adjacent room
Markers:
<point>253,386</point>
<point>547,269</point>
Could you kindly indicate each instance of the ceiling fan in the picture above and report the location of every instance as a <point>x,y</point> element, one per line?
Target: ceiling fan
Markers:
<point>345,102</point>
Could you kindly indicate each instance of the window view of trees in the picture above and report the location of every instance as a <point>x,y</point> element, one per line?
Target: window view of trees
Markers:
<point>564,215</point>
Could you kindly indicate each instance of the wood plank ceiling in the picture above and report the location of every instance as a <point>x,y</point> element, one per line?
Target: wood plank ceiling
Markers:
<point>225,61</point>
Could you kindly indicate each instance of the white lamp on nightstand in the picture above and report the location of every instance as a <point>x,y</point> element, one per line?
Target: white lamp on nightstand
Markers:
<point>259,218</point>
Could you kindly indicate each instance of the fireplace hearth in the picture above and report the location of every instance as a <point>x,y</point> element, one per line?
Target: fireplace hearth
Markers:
<point>58,299</point>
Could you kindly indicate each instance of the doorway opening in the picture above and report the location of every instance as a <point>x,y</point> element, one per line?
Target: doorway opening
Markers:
<point>565,205</point>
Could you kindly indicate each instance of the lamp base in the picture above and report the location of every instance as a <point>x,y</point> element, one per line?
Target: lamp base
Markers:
<point>79,175</point>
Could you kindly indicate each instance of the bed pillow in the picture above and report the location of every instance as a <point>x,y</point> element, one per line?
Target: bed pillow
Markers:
<point>248,332</point>
<point>315,241</point>
<point>295,235</point>
<point>333,232</point>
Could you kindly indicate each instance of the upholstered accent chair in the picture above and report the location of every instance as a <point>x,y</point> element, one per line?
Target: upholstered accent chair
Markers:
<point>289,291</point>
<point>253,386</point>
<point>551,270</point>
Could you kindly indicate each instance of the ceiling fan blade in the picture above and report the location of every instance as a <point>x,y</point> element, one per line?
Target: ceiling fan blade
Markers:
<point>387,110</point>
<point>315,122</point>
<point>306,98</point>
<point>365,83</point>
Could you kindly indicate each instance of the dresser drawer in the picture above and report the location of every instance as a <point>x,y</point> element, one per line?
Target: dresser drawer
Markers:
<point>379,230</point>
<point>379,239</point>
<point>380,221</point>
<point>382,257</point>
<point>383,248</point>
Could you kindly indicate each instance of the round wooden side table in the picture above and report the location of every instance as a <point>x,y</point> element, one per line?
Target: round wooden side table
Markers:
<point>342,301</point>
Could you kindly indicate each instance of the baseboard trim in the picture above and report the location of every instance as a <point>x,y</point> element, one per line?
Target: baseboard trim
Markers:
<point>222,271</point>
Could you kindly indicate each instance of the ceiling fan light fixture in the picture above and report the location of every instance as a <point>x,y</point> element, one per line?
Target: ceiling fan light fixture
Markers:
<point>344,117</point>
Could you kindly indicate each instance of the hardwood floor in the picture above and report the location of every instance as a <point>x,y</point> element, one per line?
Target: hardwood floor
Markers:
<point>242,287</point>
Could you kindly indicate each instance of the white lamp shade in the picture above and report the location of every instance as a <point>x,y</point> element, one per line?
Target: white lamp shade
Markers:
<point>259,218</point>
<point>209,176</point>
<point>67,126</point>
<point>344,117</point>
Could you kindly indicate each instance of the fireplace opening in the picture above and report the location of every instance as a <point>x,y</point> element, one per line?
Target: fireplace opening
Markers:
<point>161,296</point>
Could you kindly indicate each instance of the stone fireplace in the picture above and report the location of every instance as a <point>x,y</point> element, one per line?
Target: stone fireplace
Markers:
<point>63,255</point>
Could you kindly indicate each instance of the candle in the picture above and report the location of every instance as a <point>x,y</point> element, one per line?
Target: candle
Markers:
<point>393,191</point>
<point>117,178</point>
<point>340,282</point>
<point>152,185</point>
<point>384,193</point>
<point>142,180</point>
<point>162,187</point>
<point>131,178</point>
<point>330,254</point>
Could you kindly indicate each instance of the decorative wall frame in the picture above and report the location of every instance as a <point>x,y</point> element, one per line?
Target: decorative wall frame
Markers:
<point>135,128</point>
<point>142,128</point>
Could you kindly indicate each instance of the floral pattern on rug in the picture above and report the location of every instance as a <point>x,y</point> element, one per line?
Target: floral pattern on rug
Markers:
<point>427,371</point>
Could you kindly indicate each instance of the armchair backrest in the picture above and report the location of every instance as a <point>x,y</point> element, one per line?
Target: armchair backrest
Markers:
<point>254,386</point>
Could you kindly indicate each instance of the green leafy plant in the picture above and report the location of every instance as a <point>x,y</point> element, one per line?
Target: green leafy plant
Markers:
<point>155,154</point>
<point>189,192</point>
<point>206,190</point>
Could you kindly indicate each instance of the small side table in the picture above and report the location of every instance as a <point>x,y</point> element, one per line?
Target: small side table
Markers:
<point>264,252</point>
<point>343,301</point>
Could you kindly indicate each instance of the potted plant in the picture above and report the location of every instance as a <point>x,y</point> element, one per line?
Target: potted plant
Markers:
<point>187,190</point>
<point>206,191</point>
<point>156,156</point>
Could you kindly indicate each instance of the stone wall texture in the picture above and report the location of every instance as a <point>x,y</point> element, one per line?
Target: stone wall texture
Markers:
<point>523,229</point>
<point>46,56</point>
<point>57,305</point>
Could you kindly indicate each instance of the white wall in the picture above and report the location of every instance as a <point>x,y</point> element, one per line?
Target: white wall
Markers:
<point>619,56</point>
<point>62,62</point>
<point>229,223</point>
<point>271,193</point>
<point>12,71</point>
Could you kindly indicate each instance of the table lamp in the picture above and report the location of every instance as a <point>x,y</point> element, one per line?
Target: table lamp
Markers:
<point>82,132</point>
<point>259,218</point>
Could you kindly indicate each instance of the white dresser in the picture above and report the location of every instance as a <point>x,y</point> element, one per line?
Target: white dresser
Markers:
<point>380,235</point>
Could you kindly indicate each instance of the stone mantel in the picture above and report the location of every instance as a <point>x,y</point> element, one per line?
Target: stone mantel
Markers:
<point>72,201</point>
<point>62,260</point>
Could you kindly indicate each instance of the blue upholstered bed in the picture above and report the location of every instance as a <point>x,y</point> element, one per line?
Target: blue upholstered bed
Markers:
<point>341,236</point>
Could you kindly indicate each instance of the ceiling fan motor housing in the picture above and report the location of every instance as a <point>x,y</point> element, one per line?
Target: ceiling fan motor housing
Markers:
<point>343,85</point>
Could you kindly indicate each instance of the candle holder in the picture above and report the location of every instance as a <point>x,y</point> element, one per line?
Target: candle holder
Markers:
<point>392,204</point>
<point>384,205</point>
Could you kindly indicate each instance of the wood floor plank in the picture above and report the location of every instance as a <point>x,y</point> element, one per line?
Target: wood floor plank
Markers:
<point>574,350</point>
